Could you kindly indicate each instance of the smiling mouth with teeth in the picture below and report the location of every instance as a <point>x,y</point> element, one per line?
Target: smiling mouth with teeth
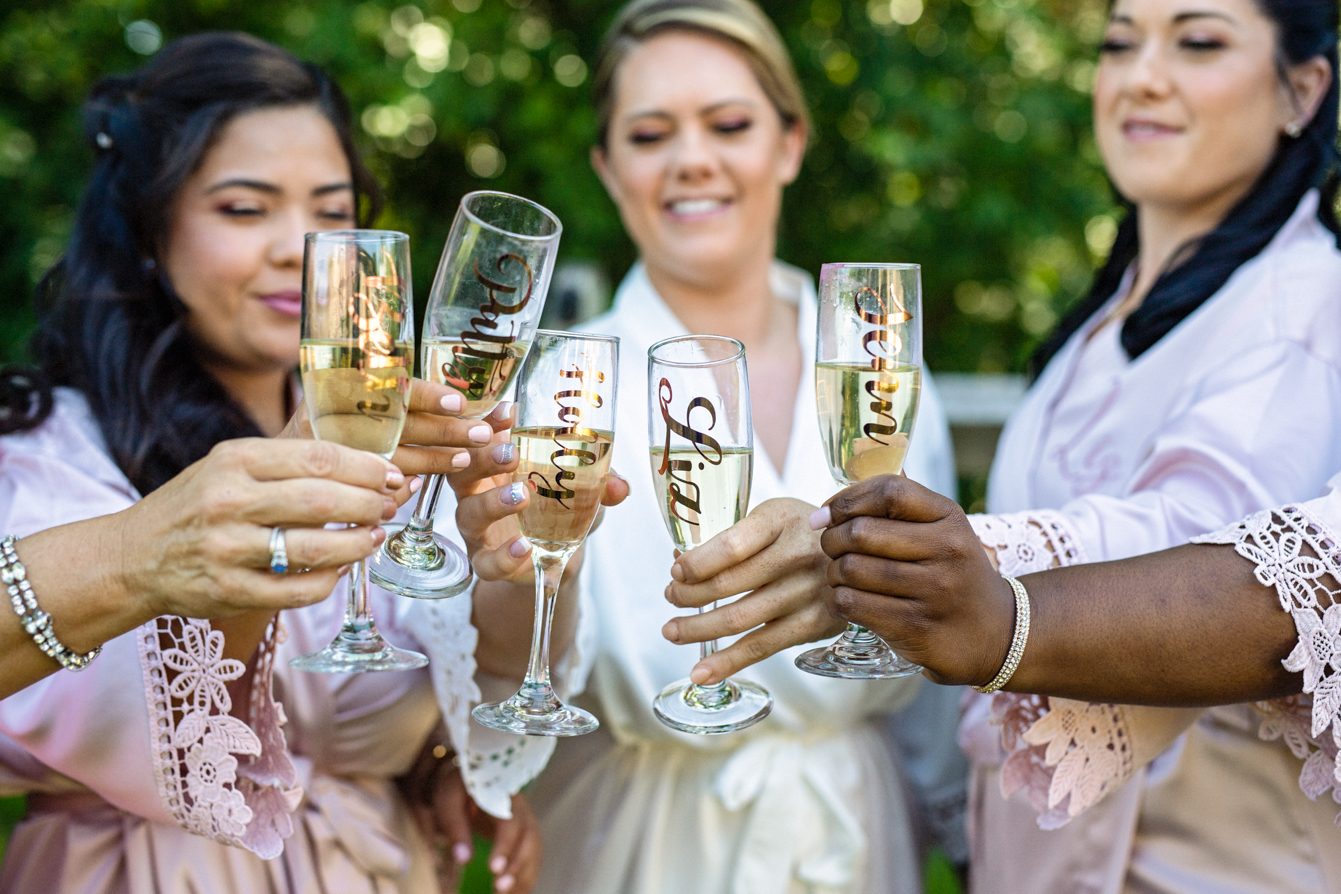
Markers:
<point>696,206</point>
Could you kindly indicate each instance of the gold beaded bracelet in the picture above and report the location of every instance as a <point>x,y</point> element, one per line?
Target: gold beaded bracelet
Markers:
<point>33,619</point>
<point>1016,642</point>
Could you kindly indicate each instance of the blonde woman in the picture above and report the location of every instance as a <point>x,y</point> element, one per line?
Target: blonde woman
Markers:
<point>702,126</point>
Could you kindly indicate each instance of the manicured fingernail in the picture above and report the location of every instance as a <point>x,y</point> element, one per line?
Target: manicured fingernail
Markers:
<point>503,453</point>
<point>820,518</point>
<point>342,571</point>
<point>700,674</point>
<point>504,883</point>
<point>502,410</point>
<point>480,434</point>
<point>461,853</point>
<point>378,535</point>
<point>389,509</point>
<point>518,548</point>
<point>497,864</point>
<point>461,460</point>
<point>512,494</point>
<point>677,572</point>
<point>395,479</point>
<point>453,403</point>
<point>416,484</point>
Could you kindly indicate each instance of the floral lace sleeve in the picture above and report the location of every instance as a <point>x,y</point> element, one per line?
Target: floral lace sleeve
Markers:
<point>1294,551</point>
<point>219,776</point>
<point>1064,755</point>
<point>495,765</point>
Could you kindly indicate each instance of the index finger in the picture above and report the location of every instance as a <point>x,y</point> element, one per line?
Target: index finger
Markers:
<point>267,459</point>
<point>728,549</point>
<point>885,496</point>
<point>435,398</point>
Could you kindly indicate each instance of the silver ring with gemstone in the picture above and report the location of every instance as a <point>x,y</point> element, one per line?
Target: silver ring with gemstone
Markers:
<point>279,553</point>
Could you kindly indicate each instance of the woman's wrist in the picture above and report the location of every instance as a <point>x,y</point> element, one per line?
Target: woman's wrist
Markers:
<point>77,571</point>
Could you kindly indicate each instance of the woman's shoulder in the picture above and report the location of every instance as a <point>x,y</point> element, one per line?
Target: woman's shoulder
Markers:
<point>65,455</point>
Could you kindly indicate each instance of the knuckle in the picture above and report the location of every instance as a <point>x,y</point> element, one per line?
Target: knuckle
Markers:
<point>323,459</point>
<point>842,601</point>
<point>860,531</point>
<point>890,489</point>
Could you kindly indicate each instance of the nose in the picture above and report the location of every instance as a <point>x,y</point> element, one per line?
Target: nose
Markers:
<point>1148,75</point>
<point>286,245</point>
<point>693,159</point>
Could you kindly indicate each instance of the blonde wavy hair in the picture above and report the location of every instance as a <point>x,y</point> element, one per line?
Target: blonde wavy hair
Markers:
<point>738,22</point>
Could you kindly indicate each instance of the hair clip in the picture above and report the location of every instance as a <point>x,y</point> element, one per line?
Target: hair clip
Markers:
<point>103,140</point>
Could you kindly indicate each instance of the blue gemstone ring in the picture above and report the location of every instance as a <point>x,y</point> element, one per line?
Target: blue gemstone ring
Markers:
<point>279,554</point>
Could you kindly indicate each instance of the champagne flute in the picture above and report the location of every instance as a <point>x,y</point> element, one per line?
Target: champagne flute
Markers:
<point>702,441</point>
<point>868,378</point>
<point>356,357</point>
<point>482,313</point>
<point>565,431</point>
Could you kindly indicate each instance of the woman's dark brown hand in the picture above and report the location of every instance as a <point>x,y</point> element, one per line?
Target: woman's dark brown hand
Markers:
<point>907,565</point>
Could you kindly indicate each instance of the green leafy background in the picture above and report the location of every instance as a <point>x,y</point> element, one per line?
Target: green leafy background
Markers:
<point>954,133</point>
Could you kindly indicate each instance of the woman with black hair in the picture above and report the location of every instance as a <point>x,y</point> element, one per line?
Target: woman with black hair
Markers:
<point>188,756</point>
<point>1200,382</point>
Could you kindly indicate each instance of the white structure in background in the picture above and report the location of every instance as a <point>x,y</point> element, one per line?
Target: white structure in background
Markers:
<point>578,292</point>
<point>977,405</point>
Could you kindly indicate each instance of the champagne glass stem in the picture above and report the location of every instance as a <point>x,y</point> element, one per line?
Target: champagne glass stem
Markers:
<point>536,693</point>
<point>419,531</point>
<point>714,694</point>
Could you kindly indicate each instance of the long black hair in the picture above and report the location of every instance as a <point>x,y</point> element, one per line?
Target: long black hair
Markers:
<point>109,322</point>
<point>1304,29</point>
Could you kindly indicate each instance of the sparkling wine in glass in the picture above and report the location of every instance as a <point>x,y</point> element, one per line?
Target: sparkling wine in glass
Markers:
<point>564,432</point>
<point>356,357</point>
<point>702,456</point>
<point>868,378</point>
<point>482,314</point>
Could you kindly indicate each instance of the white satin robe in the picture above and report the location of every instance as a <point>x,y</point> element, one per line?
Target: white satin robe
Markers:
<point>808,800</point>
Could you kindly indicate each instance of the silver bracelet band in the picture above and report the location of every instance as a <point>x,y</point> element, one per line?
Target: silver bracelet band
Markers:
<point>1016,642</point>
<point>33,619</point>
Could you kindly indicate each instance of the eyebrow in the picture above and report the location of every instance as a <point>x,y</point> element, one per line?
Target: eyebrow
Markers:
<point>272,189</point>
<point>1182,17</point>
<point>708,110</point>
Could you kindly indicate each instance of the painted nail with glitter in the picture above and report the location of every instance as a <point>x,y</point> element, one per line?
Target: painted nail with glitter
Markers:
<point>503,453</point>
<point>512,494</point>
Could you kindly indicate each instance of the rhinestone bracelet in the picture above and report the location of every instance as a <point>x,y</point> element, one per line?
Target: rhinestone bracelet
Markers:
<point>1016,642</point>
<point>34,620</point>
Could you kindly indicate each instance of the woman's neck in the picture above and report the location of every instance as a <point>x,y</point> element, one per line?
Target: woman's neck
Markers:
<point>740,306</point>
<point>262,395</point>
<point>1165,230</point>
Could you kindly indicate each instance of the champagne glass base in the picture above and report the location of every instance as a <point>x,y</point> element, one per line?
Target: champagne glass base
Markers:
<point>353,654</point>
<point>706,710</point>
<point>518,716</point>
<point>846,663</point>
<point>435,571</point>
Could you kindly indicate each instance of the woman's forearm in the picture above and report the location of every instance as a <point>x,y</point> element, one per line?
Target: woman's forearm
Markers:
<point>75,574</point>
<point>503,613</point>
<point>1186,626</point>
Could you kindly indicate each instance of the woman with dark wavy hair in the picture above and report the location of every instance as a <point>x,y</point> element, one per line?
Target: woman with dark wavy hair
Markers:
<point>1200,382</point>
<point>170,327</point>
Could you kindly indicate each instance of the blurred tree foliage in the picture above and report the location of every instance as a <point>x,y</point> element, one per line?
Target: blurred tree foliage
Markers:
<point>954,133</point>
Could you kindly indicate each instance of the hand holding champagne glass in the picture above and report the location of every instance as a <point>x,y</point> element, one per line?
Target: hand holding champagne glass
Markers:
<point>564,435</point>
<point>868,377</point>
<point>356,356</point>
<point>482,313</point>
<point>702,457</point>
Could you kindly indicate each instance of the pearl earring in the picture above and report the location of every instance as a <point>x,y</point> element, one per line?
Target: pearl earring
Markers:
<point>1294,129</point>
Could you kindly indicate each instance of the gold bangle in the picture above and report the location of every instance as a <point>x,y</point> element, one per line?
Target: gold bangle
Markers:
<point>1016,642</point>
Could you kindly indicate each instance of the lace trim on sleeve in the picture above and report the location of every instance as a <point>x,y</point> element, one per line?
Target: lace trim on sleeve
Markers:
<point>1029,541</point>
<point>200,750</point>
<point>1065,755</point>
<point>1278,542</point>
<point>494,765</point>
